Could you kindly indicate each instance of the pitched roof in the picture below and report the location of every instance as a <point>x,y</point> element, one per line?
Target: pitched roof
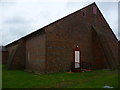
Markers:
<point>58,21</point>
<point>48,25</point>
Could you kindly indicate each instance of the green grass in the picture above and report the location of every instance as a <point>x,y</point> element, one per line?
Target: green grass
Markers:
<point>0,76</point>
<point>93,79</point>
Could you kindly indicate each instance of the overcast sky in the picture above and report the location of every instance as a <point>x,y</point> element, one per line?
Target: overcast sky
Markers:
<point>21,17</point>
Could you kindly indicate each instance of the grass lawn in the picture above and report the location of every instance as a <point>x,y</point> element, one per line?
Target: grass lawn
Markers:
<point>93,79</point>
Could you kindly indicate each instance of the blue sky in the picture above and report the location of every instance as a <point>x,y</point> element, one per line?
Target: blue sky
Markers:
<point>21,17</point>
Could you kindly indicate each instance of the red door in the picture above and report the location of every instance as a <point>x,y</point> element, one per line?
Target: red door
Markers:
<point>76,64</point>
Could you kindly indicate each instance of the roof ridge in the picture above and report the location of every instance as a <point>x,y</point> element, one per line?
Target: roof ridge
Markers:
<point>52,23</point>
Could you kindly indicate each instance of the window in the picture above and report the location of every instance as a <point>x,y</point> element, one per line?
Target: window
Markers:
<point>84,13</point>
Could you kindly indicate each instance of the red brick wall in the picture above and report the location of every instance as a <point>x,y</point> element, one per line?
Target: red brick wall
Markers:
<point>63,35</point>
<point>16,58</point>
<point>4,57</point>
<point>35,52</point>
<point>99,58</point>
<point>110,39</point>
<point>52,50</point>
<point>11,47</point>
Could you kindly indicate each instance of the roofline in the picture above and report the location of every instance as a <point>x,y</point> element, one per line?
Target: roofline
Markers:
<point>62,19</point>
<point>107,23</point>
<point>50,24</point>
<point>23,37</point>
<point>69,14</point>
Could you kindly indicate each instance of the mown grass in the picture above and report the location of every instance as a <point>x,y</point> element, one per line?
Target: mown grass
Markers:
<point>93,79</point>
<point>0,75</point>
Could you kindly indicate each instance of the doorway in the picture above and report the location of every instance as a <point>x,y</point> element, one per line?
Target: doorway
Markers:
<point>77,59</point>
<point>76,64</point>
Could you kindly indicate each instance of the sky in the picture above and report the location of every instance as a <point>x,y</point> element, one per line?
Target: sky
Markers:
<point>21,17</point>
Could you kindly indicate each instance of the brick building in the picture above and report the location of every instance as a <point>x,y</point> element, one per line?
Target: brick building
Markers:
<point>3,54</point>
<point>82,39</point>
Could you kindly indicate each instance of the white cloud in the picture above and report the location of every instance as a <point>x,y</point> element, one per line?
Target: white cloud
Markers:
<point>20,18</point>
<point>119,20</point>
<point>59,0</point>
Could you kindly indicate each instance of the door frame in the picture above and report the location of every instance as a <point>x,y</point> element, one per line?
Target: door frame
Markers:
<point>73,62</point>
